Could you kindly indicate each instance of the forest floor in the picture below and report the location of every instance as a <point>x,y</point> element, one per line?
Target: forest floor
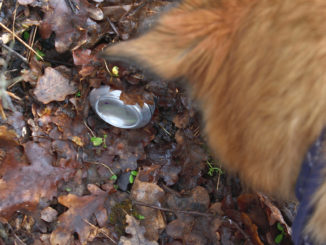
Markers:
<point>67,177</point>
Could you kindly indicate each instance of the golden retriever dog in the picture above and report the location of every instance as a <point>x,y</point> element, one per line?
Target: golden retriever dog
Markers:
<point>257,69</point>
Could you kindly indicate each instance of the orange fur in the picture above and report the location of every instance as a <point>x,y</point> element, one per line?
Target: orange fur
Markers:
<point>257,67</point>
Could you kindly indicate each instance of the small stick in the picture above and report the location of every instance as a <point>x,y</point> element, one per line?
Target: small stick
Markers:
<point>14,52</point>
<point>173,210</point>
<point>21,40</point>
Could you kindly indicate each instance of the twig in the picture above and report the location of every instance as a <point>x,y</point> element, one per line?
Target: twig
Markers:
<point>14,52</point>
<point>14,20</point>
<point>89,129</point>
<point>13,96</point>
<point>230,221</point>
<point>21,40</point>
<point>15,81</point>
<point>100,163</point>
<point>134,11</point>
<point>33,32</point>
<point>167,132</point>
<point>113,27</point>
<point>73,6</point>
<point>173,210</point>
<point>18,239</point>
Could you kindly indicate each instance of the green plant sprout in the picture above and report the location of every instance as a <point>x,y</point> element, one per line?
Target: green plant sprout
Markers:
<point>279,238</point>
<point>132,176</point>
<point>26,35</point>
<point>114,177</point>
<point>139,216</point>
<point>39,55</point>
<point>97,141</point>
<point>213,169</point>
<point>78,93</point>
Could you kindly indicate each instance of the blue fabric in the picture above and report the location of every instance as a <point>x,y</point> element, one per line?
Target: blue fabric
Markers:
<point>310,178</point>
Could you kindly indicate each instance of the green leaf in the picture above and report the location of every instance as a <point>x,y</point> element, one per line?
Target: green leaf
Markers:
<point>114,177</point>
<point>26,35</point>
<point>131,179</point>
<point>278,239</point>
<point>134,172</point>
<point>140,217</point>
<point>280,227</point>
<point>78,94</point>
<point>40,54</point>
<point>68,189</point>
<point>104,142</point>
<point>116,187</point>
<point>97,141</point>
<point>210,172</point>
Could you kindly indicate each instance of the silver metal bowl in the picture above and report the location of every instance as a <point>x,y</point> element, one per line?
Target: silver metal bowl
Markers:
<point>111,109</point>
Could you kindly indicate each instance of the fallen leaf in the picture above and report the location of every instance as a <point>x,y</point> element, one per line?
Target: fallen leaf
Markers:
<point>79,213</point>
<point>53,86</point>
<point>152,194</point>
<point>26,178</point>
<point>49,214</point>
<point>137,234</point>
<point>252,228</point>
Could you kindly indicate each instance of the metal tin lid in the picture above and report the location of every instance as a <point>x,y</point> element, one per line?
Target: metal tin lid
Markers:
<point>111,109</point>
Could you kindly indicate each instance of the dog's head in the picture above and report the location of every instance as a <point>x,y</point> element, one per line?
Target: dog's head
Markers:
<point>183,41</point>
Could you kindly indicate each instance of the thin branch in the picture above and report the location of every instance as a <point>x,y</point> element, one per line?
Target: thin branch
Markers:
<point>14,52</point>
<point>173,210</point>
<point>89,129</point>
<point>21,40</point>
<point>100,163</point>
<point>225,218</point>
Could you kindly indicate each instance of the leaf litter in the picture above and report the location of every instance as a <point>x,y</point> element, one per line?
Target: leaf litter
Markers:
<point>144,186</point>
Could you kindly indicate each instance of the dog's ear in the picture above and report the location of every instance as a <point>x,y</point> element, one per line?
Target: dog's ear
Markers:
<point>184,41</point>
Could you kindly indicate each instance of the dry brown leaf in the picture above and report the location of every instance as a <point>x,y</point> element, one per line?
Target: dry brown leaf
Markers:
<point>252,229</point>
<point>80,211</point>
<point>49,214</point>
<point>182,120</point>
<point>22,184</point>
<point>71,24</point>
<point>53,86</point>
<point>152,194</point>
<point>137,234</point>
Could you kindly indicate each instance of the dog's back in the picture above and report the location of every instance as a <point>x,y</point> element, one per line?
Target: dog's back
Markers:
<point>258,69</point>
